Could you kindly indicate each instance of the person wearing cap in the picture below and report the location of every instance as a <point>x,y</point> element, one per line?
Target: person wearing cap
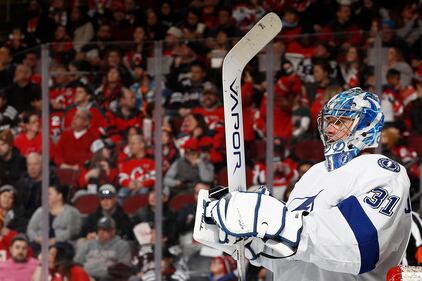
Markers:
<point>108,207</point>
<point>12,163</point>
<point>11,212</point>
<point>211,107</point>
<point>101,168</point>
<point>80,136</point>
<point>107,250</point>
<point>83,99</point>
<point>20,266</point>
<point>8,114</point>
<point>189,169</point>
<point>65,220</point>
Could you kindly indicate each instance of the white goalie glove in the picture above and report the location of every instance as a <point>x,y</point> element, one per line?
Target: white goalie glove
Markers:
<point>247,215</point>
<point>257,214</point>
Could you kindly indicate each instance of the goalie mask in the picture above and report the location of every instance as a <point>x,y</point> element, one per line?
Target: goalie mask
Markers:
<point>349,123</point>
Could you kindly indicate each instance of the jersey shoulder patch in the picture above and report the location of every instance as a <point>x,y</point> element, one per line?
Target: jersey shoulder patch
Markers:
<point>389,164</point>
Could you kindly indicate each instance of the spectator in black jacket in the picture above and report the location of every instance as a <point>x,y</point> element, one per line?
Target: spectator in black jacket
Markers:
<point>29,185</point>
<point>11,211</point>
<point>147,214</point>
<point>22,89</point>
<point>108,207</point>
<point>12,163</point>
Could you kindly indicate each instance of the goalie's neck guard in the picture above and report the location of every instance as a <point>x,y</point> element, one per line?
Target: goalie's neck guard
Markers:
<point>338,154</point>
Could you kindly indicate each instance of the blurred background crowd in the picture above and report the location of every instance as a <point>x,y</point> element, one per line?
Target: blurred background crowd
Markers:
<point>101,198</point>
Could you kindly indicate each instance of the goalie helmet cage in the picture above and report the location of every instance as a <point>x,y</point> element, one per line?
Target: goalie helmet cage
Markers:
<point>405,273</point>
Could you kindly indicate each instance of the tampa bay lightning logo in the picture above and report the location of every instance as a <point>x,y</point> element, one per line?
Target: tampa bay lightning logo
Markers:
<point>304,203</point>
<point>339,146</point>
<point>389,164</point>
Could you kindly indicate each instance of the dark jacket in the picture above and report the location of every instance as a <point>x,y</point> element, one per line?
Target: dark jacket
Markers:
<point>123,223</point>
<point>14,167</point>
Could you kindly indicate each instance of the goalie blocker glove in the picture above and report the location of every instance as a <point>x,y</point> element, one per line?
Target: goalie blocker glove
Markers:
<point>257,214</point>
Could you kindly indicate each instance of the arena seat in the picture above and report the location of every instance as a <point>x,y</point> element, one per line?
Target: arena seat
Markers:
<point>87,203</point>
<point>311,150</point>
<point>134,202</point>
<point>415,142</point>
<point>179,201</point>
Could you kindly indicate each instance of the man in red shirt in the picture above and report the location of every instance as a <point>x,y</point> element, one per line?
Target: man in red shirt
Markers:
<point>136,173</point>
<point>83,99</point>
<point>73,147</point>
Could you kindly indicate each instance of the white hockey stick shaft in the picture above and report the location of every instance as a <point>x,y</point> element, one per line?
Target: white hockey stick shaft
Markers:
<point>234,63</point>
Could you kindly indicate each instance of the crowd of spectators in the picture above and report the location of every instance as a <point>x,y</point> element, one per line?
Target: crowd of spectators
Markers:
<point>101,118</point>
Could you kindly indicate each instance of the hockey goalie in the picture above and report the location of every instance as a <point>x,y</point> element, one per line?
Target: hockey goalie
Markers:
<point>347,218</point>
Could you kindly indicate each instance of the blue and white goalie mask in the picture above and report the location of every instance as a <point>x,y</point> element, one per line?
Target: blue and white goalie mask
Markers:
<point>348,123</point>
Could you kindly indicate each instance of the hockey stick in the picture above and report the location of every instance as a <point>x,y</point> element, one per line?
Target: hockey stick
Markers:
<point>234,63</point>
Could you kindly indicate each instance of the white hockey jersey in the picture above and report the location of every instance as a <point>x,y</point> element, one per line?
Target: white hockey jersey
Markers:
<point>358,226</point>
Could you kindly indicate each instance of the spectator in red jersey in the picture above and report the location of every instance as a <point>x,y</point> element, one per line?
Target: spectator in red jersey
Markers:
<point>111,88</point>
<point>211,107</point>
<point>123,115</point>
<point>20,266</point>
<point>83,99</point>
<point>291,24</point>
<point>79,137</point>
<point>188,170</point>
<point>30,139</point>
<point>392,106</point>
<point>136,173</point>
<point>12,163</point>
<point>287,90</point>
<point>102,167</point>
